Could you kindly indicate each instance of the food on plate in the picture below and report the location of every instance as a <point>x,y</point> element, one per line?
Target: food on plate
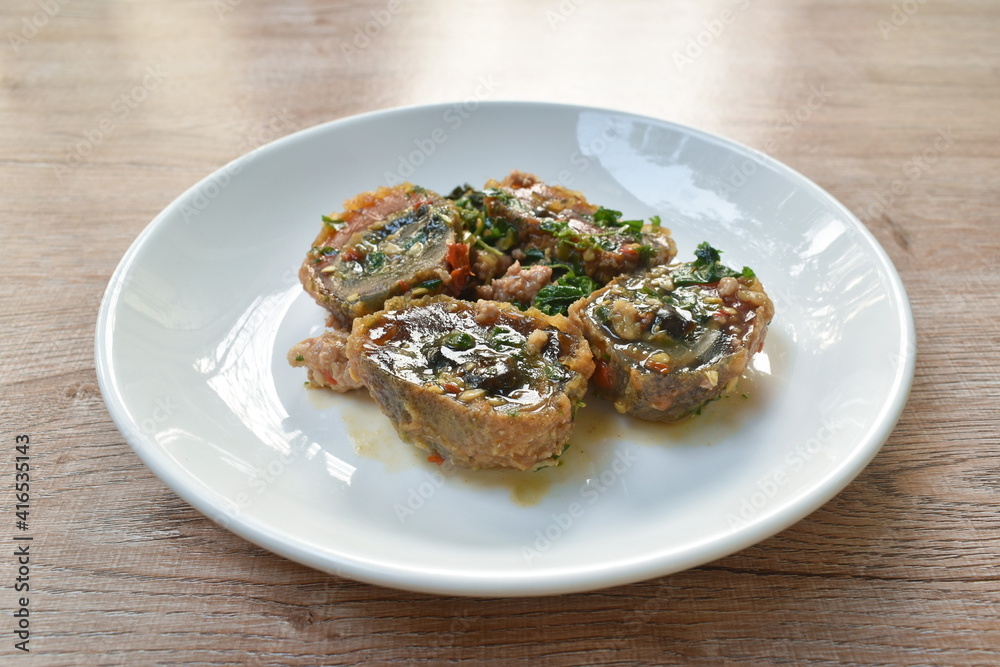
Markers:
<point>325,357</point>
<point>518,285</point>
<point>480,384</point>
<point>547,246</point>
<point>564,227</point>
<point>668,340</point>
<point>385,243</point>
<point>475,320</point>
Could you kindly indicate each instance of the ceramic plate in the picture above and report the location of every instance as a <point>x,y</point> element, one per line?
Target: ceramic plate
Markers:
<point>196,321</point>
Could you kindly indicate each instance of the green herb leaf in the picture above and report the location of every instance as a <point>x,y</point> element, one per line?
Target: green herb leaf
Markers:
<point>374,261</point>
<point>532,255</point>
<point>459,340</point>
<point>606,217</point>
<point>469,202</point>
<point>556,298</point>
<point>501,336</point>
<point>502,196</point>
<point>704,270</point>
<point>458,192</point>
<point>431,284</point>
<point>706,254</point>
<point>646,253</point>
<point>334,223</point>
<point>634,226</point>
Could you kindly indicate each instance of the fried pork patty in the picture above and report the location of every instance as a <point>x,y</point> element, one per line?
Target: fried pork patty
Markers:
<point>668,340</point>
<point>383,244</point>
<point>566,227</point>
<point>483,385</point>
<point>325,357</point>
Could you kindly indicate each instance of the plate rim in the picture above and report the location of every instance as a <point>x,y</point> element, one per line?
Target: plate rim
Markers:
<point>522,583</point>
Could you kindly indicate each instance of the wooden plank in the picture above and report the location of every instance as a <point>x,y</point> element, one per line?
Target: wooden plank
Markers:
<point>900,568</point>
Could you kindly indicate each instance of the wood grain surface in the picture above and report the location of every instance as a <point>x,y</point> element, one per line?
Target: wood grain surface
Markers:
<point>110,109</point>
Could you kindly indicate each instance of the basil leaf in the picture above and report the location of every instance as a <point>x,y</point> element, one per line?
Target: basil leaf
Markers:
<point>705,269</point>
<point>374,261</point>
<point>605,217</point>
<point>706,254</point>
<point>555,299</point>
<point>432,283</point>
<point>532,255</point>
<point>459,340</point>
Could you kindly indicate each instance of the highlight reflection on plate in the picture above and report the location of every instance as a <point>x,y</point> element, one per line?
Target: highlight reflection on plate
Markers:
<point>197,318</point>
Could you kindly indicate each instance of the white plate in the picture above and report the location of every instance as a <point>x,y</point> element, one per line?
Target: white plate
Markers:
<point>197,318</point>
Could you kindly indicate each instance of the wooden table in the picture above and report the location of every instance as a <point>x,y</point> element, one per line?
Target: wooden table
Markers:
<point>111,109</point>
